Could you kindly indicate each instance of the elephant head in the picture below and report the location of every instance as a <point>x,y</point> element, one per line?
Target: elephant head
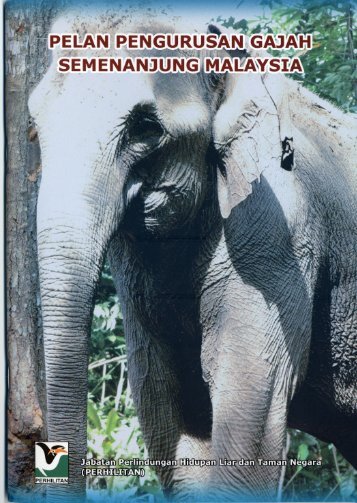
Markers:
<point>112,145</point>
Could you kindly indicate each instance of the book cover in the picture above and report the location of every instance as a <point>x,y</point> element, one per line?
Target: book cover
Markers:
<point>181,215</point>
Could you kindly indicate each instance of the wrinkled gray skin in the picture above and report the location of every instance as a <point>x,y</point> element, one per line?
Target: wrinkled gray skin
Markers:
<point>237,278</point>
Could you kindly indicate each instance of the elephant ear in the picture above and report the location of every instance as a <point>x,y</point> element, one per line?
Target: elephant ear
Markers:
<point>234,181</point>
<point>248,130</point>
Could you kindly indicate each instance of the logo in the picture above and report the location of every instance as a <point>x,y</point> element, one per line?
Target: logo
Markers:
<point>51,462</point>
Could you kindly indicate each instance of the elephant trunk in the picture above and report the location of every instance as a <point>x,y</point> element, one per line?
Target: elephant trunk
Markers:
<point>70,250</point>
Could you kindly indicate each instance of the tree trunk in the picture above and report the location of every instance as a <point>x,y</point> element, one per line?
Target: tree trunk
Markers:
<point>26,59</point>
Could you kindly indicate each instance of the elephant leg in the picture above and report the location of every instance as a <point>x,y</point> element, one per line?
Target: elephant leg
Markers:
<point>157,393</point>
<point>249,423</point>
<point>257,368</point>
<point>191,481</point>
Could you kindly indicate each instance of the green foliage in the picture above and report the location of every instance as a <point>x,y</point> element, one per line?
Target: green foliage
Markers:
<point>330,67</point>
<point>116,435</point>
<point>107,342</point>
<point>335,480</point>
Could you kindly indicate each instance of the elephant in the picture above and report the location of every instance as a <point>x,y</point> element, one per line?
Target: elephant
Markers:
<point>226,205</point>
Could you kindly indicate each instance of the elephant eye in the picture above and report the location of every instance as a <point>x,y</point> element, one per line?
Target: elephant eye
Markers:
<point>145,129</point>
<point>142,125</point>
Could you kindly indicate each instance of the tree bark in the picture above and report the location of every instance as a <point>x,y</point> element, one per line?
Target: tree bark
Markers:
<point>26,60</point>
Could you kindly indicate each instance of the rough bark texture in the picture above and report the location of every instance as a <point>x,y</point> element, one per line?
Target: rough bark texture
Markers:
<point>26,27</point>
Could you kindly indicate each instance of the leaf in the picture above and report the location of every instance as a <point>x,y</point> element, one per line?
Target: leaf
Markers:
<point>303,452</point>
<point>309,440</point>
<point>93,415</point>
<point>112,422</point>
<point>345,68</point>
<point>242,24</point>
